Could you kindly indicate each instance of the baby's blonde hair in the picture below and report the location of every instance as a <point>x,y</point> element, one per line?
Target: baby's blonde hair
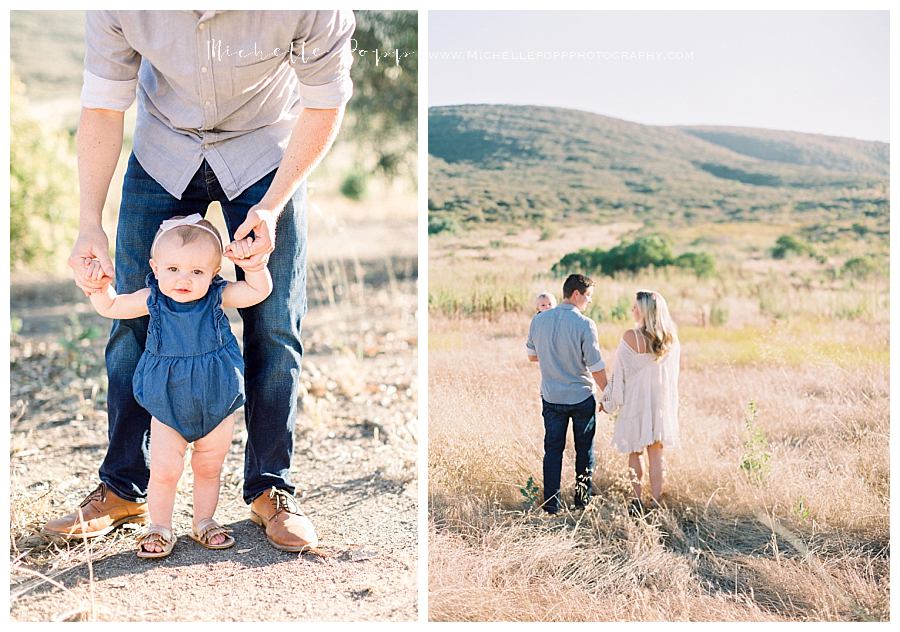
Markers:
<point>191,232</point>
<point>548,296</point>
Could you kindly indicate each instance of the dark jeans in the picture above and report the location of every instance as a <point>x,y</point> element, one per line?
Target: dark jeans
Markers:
<point>556,424</point>
<point>272,348</point>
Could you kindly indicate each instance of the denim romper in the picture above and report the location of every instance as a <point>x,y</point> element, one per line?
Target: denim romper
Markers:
<point>191,374</point>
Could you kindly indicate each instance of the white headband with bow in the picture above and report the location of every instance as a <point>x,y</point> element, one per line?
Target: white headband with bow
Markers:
<point>190,220</point>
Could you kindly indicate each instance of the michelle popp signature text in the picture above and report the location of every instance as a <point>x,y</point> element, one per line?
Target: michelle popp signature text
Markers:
<point>216,50</point>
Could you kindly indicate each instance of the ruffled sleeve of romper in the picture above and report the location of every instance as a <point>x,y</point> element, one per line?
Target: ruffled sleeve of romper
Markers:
<point>217,285</point>
<point>614,394</point>
<point>153,298</point>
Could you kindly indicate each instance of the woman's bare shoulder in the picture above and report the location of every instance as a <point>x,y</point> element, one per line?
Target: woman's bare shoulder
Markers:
<point>630,339</point>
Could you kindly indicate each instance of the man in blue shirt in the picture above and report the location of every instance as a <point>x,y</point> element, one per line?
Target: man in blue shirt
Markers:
<point>564,342</point>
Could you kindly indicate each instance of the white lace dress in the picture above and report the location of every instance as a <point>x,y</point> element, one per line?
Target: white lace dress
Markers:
<point>645,394</point>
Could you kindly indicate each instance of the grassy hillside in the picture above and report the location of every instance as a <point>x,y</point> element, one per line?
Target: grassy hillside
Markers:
<point>815,150</point>
<point>536,165</point>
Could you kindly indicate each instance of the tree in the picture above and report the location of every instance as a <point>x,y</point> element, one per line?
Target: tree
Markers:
<point>383,113</point>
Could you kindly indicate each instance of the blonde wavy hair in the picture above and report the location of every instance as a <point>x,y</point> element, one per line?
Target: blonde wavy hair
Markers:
<point>658,323</point>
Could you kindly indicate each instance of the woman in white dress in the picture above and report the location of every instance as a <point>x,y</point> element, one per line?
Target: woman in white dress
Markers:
<point>644,390</point>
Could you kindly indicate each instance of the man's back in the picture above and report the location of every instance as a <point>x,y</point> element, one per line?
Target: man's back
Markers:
<point>565,343</point>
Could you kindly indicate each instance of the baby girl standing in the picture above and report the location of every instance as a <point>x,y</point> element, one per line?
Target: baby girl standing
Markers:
<point>190,376</point>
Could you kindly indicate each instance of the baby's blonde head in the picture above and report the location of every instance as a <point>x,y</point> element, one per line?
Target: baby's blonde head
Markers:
<point>202,232</point>
<point>544,301</point>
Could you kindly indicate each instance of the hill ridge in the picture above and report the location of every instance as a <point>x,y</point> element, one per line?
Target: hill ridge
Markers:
<point>514,163</point>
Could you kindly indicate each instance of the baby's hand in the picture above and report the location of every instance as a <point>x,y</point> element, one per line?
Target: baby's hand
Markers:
<point>238,250</point>
<point>95,272</point>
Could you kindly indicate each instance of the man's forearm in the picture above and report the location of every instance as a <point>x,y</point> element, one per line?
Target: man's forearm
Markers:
<point>600,378</point>
<point>99,143</point>
<point>311,138</point>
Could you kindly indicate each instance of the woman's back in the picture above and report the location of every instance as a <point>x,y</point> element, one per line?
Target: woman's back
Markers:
<point>644,391</point>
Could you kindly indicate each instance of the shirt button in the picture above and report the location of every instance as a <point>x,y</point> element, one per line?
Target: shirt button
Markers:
<point>203,69</point>
<point>202,26</point>
<point>208,102</point>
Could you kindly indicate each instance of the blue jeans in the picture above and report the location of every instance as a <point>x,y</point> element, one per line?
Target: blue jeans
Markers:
<point>272,348</point>
<point>556,424</point>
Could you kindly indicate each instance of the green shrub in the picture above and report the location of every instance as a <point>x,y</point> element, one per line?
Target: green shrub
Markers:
<point>702,264</point>
<point>43,197</point>
<point>355,185</point>
<point>859,267</point>
<point>437,224</point>
<point>530,492</point>
<point>548,232</point>
<point>788,245</point>
<point>718,315</point>
<point>621,310</point>
<point>755,461</point>
<point>644,252</point>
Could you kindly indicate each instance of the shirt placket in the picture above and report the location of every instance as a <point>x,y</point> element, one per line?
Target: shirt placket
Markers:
<point>205,57</point>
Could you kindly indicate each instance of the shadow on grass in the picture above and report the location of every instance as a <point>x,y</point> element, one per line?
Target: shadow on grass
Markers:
<point>750,558</point>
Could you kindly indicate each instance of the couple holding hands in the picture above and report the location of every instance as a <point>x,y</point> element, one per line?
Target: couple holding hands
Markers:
<point>642,390</point>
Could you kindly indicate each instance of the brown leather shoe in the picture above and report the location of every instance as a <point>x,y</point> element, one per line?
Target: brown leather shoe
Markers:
<point>287,529</point>
<point>102,512</point>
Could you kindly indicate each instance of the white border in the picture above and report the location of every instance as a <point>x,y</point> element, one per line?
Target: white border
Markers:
<point>423,6</point>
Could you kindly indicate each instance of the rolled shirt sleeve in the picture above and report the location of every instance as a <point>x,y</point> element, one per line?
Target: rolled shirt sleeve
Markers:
<point>110,64</point>
<point>322,59</point>
<point>590,349</point>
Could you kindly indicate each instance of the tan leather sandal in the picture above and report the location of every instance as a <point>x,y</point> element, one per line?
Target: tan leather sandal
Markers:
<point>156,535</point>
<point>204,530</point>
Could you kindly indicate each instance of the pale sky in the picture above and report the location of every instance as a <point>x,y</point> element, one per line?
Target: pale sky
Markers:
<point>824,72</point>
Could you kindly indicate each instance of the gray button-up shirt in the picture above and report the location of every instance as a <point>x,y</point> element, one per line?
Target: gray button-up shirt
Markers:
<point>225,86</point>
<point>566,345</point>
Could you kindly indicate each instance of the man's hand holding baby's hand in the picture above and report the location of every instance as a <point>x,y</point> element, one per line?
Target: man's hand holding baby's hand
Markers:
<point>240,253</point>
<point>261,221</point>
<point>91,246</point>
<point>95,274</point>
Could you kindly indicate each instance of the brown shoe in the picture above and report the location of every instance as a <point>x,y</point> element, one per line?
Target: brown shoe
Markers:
<point>102,511</point>
<point>287,529</point>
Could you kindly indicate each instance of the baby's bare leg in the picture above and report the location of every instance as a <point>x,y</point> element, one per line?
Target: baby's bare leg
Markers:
<point>166,463</point>
<point>206,463</point>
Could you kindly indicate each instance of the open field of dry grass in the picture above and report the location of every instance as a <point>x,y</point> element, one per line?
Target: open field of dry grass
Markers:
<point>810,542</point>
<point>793,526</point>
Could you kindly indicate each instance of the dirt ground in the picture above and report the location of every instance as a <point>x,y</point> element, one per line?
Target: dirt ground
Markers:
<point>354,466</point>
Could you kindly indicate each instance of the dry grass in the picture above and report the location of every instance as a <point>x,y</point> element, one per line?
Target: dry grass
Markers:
<point>810,542</point>
<point>354,447</point>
